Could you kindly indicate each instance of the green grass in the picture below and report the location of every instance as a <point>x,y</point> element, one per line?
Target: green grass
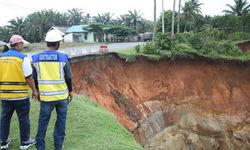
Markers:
<point>131,55</point>
<point>89,127</point>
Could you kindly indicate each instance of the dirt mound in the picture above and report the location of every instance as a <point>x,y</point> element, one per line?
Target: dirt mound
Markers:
<point>194,102</point>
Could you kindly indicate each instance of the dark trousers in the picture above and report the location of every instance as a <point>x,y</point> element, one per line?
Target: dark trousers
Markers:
<point>22,108</point>
<point>59,132</point>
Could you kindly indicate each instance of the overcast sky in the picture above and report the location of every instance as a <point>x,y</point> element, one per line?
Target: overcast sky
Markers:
<point>17,8</point>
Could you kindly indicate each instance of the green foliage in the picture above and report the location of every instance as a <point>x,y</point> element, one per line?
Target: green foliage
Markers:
<point>75,16</point>
<point>151,48</point>
<point>97,27</point>
<point>231,23</point>
<point>182,47</point>
<point>104,18</point>
<point>240,7</point>
<point>5,33</point>
<point>120,33</point>
<point>229,48</point>
<point>137,48</point>
<point>209,42</point>
<point>164,41</point>
<point>167,23</point>
<point>238,36</point>
<point>185,37</point>
<point>34,26</point>
<point>98,30</point>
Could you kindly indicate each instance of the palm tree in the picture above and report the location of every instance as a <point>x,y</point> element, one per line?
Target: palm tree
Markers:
<point>38,23</point>
<point>107,18</point>
<point>5,33</point>
<point>75,16</point>
<point>104,18</point>
<point>179,16</point>
<point>135,18</point>
<point>154,30</point>
<point>172,31</point>
<point>17,26</point>
<point>55,18</point>
<point>190,10</point>
<point>86,19</point>
<point>145,26</point>
<point>98,18</point>
<point>34,26</point>
<point>241,7</point>
<point>124,20</point>
<point>163,16</point>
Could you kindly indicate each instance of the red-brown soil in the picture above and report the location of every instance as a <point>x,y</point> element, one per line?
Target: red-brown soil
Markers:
<point>209,98</point>
<point>244,46</point>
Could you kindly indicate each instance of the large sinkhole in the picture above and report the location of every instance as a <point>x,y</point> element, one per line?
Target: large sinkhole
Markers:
<point>177,103</point>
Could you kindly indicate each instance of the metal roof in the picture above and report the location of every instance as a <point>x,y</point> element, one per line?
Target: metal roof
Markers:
<point>77,29</point>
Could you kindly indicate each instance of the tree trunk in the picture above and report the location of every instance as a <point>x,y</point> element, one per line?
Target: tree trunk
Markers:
<point>163,17</point>
<point>185,28</point>
<point>173,19</point>
<point>179,16</point>
<point>154,31</point>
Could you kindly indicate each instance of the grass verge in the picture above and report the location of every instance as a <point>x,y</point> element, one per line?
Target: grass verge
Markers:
<point>131,54</point>
<point>89,127</point>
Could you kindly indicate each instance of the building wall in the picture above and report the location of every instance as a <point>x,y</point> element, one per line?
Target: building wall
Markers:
<point>79,37</point>
<point>90,37</point>
<point>68,37</point>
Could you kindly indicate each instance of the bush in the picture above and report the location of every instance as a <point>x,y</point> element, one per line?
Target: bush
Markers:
<point>151,48</point>
<point>164,41</point>
<point>182,47</point>
<point>137,48</point>
<point>229,48</point>
<point>221,47</point>
<point>185,37</point>
<point>238,36</point>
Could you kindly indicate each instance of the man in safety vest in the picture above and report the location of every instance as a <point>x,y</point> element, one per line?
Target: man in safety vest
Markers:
<point>15,77</point>
<point>52,75</point>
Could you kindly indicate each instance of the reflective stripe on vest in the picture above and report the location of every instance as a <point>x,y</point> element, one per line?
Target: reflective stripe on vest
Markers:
<point>13,84</point>
<point>54,93</point>
<point>51,82</point>
<point>50,75</point>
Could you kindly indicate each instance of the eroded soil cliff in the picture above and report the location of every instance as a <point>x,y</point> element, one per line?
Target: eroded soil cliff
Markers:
<point>172,103</point>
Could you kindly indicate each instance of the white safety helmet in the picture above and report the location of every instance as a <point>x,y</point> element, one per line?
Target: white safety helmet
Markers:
<point>53,36</point>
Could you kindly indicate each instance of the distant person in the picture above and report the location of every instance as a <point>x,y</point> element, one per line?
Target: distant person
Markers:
<point>52,75</point>
<point>15,77</point>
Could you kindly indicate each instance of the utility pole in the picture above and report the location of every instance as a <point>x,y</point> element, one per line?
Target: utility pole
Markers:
<point>163,17</point>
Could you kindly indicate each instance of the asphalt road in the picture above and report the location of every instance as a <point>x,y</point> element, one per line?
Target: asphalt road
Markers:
<point>94,49</point>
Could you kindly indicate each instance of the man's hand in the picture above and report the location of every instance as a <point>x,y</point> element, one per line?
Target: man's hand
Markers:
<point>31,83</point>
<point>70,98</point>
<point>35,95</point>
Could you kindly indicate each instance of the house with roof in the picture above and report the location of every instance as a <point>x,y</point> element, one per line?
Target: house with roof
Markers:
<point>79,33</point>
<point>61,30</point>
